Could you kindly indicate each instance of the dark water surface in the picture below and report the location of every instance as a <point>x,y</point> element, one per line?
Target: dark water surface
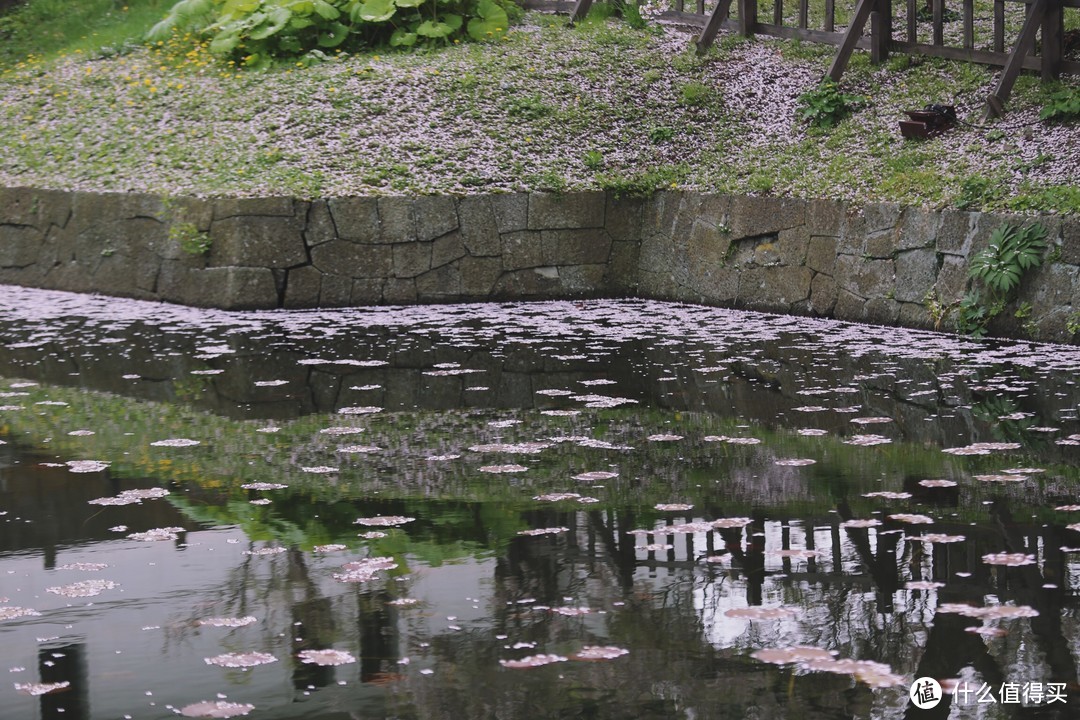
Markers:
<point>445,494</point>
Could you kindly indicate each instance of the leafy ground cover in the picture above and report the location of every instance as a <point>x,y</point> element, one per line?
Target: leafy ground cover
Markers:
<point>600,106</point>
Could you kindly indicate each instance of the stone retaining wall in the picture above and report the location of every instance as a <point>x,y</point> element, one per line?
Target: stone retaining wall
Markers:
<point>877,264</point>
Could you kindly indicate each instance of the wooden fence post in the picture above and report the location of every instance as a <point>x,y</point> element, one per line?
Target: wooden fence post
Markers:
<point>1053,30</point>
<point>880,31</point>
<point>995,102</point>
<point>716,19</point>
<point>748,17</point>
<point>851,38</point>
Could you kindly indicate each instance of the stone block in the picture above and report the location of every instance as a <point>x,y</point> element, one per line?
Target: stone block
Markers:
<point>792,245</point>
<point>952,279</point>
<point>1070,240</point>
<point>956,232</point>
<point>443,283</point>
<point>126,276</point>
<point>825,217</point>
<point>914,315</point>
<point>20,245</point>
<point>447,249</point>
<point>411,259</point>
<point>881,311</point>
<point>479,229</point>
<point>263,242</point>
<point>715,210</point>
<point>367,291</point>
<point>622,218</point>
<point>919,228</point>
<point>848,306</point>
<point>566,210</point>
<point>522,249</point>
<point>340,257</point>
<point>881,216</point>
<point>37,208</point>
<point>774,288</point>
<point>881,245</point>
<point>916,274</point>
<point>302,287</point>
<point>1049,286</point>
<point>435,217</point>
<point>260,206</point>
<point>622,267</point>
<point>821,254</point>
<point>525,284</point>
<point>823,293</point>
<point>707,247</point>
<point>754,216</point>
<point>355,218</point>
<point>319,227</point>
<point>397,220</point>
<point>236,288</point>
<point>582,279</point>
<point>715,283</point>
<point>659,212</point>
<point>575,247</point>
<point>479,275</point>
<point>865,278</point>
<point>403,291</point>
<point>510,211</point>
<point>189,210</point>
<point>688,211</point>
<point>130,237</point>
<point>335,291</point>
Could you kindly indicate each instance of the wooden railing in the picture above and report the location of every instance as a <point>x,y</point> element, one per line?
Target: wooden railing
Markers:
<point>1043,19</point>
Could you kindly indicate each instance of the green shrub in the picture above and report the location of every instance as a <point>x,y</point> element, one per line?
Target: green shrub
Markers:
<point>825,106</point>
<point>998,269</point>
<point>1062,106</point>
<point>189,238</point>
<point>258,30</point>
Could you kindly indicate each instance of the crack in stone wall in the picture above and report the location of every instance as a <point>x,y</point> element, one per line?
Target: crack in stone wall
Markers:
<point>875,264</point>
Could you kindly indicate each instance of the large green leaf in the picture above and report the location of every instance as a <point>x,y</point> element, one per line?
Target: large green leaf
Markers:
<point>334,35</point>
<point>432,29</point>
<point>326,10</point>
<point>277,19</point>
<point>403,38</point>
<point>225,42</point>
<point>409,3</point>
<point>377,10</point>
<point>491,24</point>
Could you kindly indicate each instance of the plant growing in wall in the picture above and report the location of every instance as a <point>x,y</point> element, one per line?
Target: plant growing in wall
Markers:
<point>189,238</point>
<point>996,273</point>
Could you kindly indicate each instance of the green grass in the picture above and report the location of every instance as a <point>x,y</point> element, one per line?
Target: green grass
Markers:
<point>53,28</point>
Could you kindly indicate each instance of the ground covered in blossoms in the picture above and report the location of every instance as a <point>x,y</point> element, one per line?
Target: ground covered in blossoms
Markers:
<point>600,106</point>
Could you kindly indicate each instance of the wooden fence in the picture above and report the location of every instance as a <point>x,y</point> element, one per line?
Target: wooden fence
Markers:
<point>1043,19</point>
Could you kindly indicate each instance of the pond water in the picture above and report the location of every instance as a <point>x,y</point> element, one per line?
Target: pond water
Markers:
<point>602,509</point>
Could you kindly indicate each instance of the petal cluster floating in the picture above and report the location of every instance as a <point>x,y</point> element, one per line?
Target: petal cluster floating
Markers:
<point>241,660</point>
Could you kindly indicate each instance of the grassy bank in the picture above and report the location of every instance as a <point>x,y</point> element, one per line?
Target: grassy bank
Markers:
<point>549,108</point>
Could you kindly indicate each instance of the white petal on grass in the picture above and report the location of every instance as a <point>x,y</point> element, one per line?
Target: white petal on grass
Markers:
<point>176,442</point>
<point>326,658</point>
<point>241,660</point>
<point>216,709</point>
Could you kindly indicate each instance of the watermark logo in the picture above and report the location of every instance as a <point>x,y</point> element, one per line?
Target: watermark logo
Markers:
<point>925,693</point>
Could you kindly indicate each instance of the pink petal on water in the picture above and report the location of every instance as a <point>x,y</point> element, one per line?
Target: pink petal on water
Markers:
<point>216,709</point>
